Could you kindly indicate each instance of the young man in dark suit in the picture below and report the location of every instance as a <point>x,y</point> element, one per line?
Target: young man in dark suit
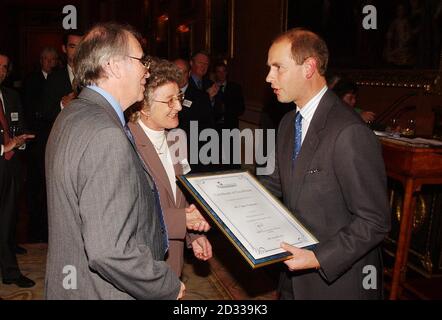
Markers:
<point>229,101</point>
<point>196,107</point>
<point>10,114</point>
<point>228,105</point>
<point>331,176</point>
<point>33,93</point>
<point>59,92</point>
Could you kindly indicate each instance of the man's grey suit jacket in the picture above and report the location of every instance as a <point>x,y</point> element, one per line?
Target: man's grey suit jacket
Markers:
<point>101,211</point>
<point>337,188</point>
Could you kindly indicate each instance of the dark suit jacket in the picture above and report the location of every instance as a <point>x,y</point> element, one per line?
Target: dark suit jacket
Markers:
<point>207,83</point>
<point>57,86</point>
<point>201,111</point>
<point>101,210</point>
<point>10,180</point>
<point>337,189</point>
<point>12,105</point>
<point>174,214</point>
<point>33,91</point>
<point>229,105</point>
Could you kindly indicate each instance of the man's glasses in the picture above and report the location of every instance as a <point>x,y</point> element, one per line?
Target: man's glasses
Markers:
<point>172,101</point>
<point>145,61</point>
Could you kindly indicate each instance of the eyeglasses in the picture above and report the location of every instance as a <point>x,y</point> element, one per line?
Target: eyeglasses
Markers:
<point>172,102</point>
<point>145,61</point>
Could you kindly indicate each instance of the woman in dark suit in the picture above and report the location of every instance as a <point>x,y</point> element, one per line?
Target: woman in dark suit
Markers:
<point>150,125</point>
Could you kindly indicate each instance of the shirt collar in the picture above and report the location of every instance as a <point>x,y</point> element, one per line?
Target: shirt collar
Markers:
<point>196,78</point>
<point>109,98</point>
<point>310,107</point>
<point>70,73</point>
<point>183,89</point>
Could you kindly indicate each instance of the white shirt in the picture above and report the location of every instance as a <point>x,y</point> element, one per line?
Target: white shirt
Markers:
<point>183,89</point>
<point>308,111</point>
<point>45,74</point>
<point>71,74</point>
<point>159,141</point>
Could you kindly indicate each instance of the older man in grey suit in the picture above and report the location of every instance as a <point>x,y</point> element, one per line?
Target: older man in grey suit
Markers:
<point>106,233</point>
<point>331,177</point>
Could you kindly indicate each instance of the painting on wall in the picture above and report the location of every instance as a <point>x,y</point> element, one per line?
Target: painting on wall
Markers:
<point>407,36</point>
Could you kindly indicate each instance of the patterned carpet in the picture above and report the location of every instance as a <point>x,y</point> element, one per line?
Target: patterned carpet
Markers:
<point>225,277</point>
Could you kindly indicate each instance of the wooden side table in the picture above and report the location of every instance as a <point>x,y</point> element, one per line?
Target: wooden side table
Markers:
<point>413,167</point>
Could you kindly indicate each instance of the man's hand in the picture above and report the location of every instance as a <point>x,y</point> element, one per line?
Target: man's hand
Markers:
<point>17,141</point>
<point>195,221</point>
<point>67,99</point>
<point>213,90</point>
<point>182,292</point>
<point>202,248</point>
<point>302,258</point>
<point>367,116</point>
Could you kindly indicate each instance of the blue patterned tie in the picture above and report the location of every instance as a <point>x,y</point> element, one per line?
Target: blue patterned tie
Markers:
<point>129,134</point>
<point>298,136</point>
<point>159,210</point>
<point>161,217</point>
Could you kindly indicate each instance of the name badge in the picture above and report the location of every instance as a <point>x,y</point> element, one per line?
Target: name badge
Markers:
<point>186,166</point>
<point>187,103</point>
<point>14,116</point>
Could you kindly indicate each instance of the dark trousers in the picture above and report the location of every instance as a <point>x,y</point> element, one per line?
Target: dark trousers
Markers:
<point>36,190</point>
<point>8,217</point>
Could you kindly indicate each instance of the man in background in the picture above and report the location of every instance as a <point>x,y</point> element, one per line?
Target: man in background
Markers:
<point>59,92</point>
<point>196,107</point>
<point>199,65</point>
<point>33,90</point>
<point>11,115</point>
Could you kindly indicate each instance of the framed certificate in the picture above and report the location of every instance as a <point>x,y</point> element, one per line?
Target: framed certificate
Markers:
<point>252,219</point>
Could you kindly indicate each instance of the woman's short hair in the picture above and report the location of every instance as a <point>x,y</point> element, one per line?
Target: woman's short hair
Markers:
<point>161,72</point>
<point>102,42</point>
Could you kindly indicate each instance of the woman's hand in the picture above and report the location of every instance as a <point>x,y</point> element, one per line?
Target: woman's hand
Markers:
<point>202,249</point>
<point>195,221</point>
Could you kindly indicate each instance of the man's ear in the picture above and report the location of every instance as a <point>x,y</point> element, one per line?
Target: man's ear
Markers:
<point>310,67</point>
<point>113,68</point>
<point>63,48</point>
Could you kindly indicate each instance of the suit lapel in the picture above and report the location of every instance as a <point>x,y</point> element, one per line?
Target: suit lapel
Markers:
<point>309,145</point>
<point>151,158</point>
<point>180,199</point>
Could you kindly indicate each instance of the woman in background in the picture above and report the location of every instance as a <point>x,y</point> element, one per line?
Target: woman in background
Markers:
<point>149,125</point>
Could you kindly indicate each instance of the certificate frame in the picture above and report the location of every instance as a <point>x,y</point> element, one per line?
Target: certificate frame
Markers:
<point>233,235</point>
